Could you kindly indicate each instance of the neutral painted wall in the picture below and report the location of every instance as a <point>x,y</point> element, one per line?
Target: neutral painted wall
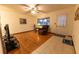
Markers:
<point>11,17</point>
<point>13,20</point>
<point>53,19</point>
<point>76,33</point>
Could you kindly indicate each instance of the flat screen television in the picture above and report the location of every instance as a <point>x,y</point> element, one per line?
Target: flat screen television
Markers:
<point>7,33</point>
<point>43,21</point>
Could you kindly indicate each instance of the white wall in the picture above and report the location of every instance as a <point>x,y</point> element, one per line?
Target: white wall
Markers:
<point>13,20</point>
<point>11,17</point>
<point>76,33</point>
<point>76,36</point>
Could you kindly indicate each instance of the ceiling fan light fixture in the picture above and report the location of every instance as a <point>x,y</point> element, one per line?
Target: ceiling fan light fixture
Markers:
<point>33,8</point>
<point>33,12</point>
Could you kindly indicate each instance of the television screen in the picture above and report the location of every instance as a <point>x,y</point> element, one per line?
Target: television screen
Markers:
<point>6,27</point>
<point>43,21</point>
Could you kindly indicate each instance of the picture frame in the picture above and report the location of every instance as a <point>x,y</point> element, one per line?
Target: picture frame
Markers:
<point>23,21</point>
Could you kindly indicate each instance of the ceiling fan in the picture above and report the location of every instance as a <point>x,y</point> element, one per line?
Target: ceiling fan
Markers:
<point>33,8</point>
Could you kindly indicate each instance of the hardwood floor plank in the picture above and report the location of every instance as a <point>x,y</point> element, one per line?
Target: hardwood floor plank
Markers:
<point>29,41</point>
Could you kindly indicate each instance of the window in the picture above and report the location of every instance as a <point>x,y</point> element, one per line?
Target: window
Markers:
<point>61,20</point>
<point>43,21</point>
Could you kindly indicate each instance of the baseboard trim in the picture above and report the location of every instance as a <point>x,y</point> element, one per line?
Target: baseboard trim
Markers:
<point>61,35</point>
<point>22,32</point>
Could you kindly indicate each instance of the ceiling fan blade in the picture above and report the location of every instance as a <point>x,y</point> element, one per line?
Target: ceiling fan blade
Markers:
<point>37,5</point>
<point>25,5</point>
<point>41,11</point>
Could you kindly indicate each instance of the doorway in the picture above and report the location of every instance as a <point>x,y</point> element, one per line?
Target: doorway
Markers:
<point>1,41</point>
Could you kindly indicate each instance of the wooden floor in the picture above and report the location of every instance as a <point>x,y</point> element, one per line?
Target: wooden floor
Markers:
<point>29,41</point>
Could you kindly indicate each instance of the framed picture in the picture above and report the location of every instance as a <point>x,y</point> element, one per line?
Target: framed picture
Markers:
<point>23,21</point>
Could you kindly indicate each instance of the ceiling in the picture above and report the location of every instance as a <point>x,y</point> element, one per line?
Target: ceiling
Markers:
<point>43,7</point>
<point>54,7</point>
